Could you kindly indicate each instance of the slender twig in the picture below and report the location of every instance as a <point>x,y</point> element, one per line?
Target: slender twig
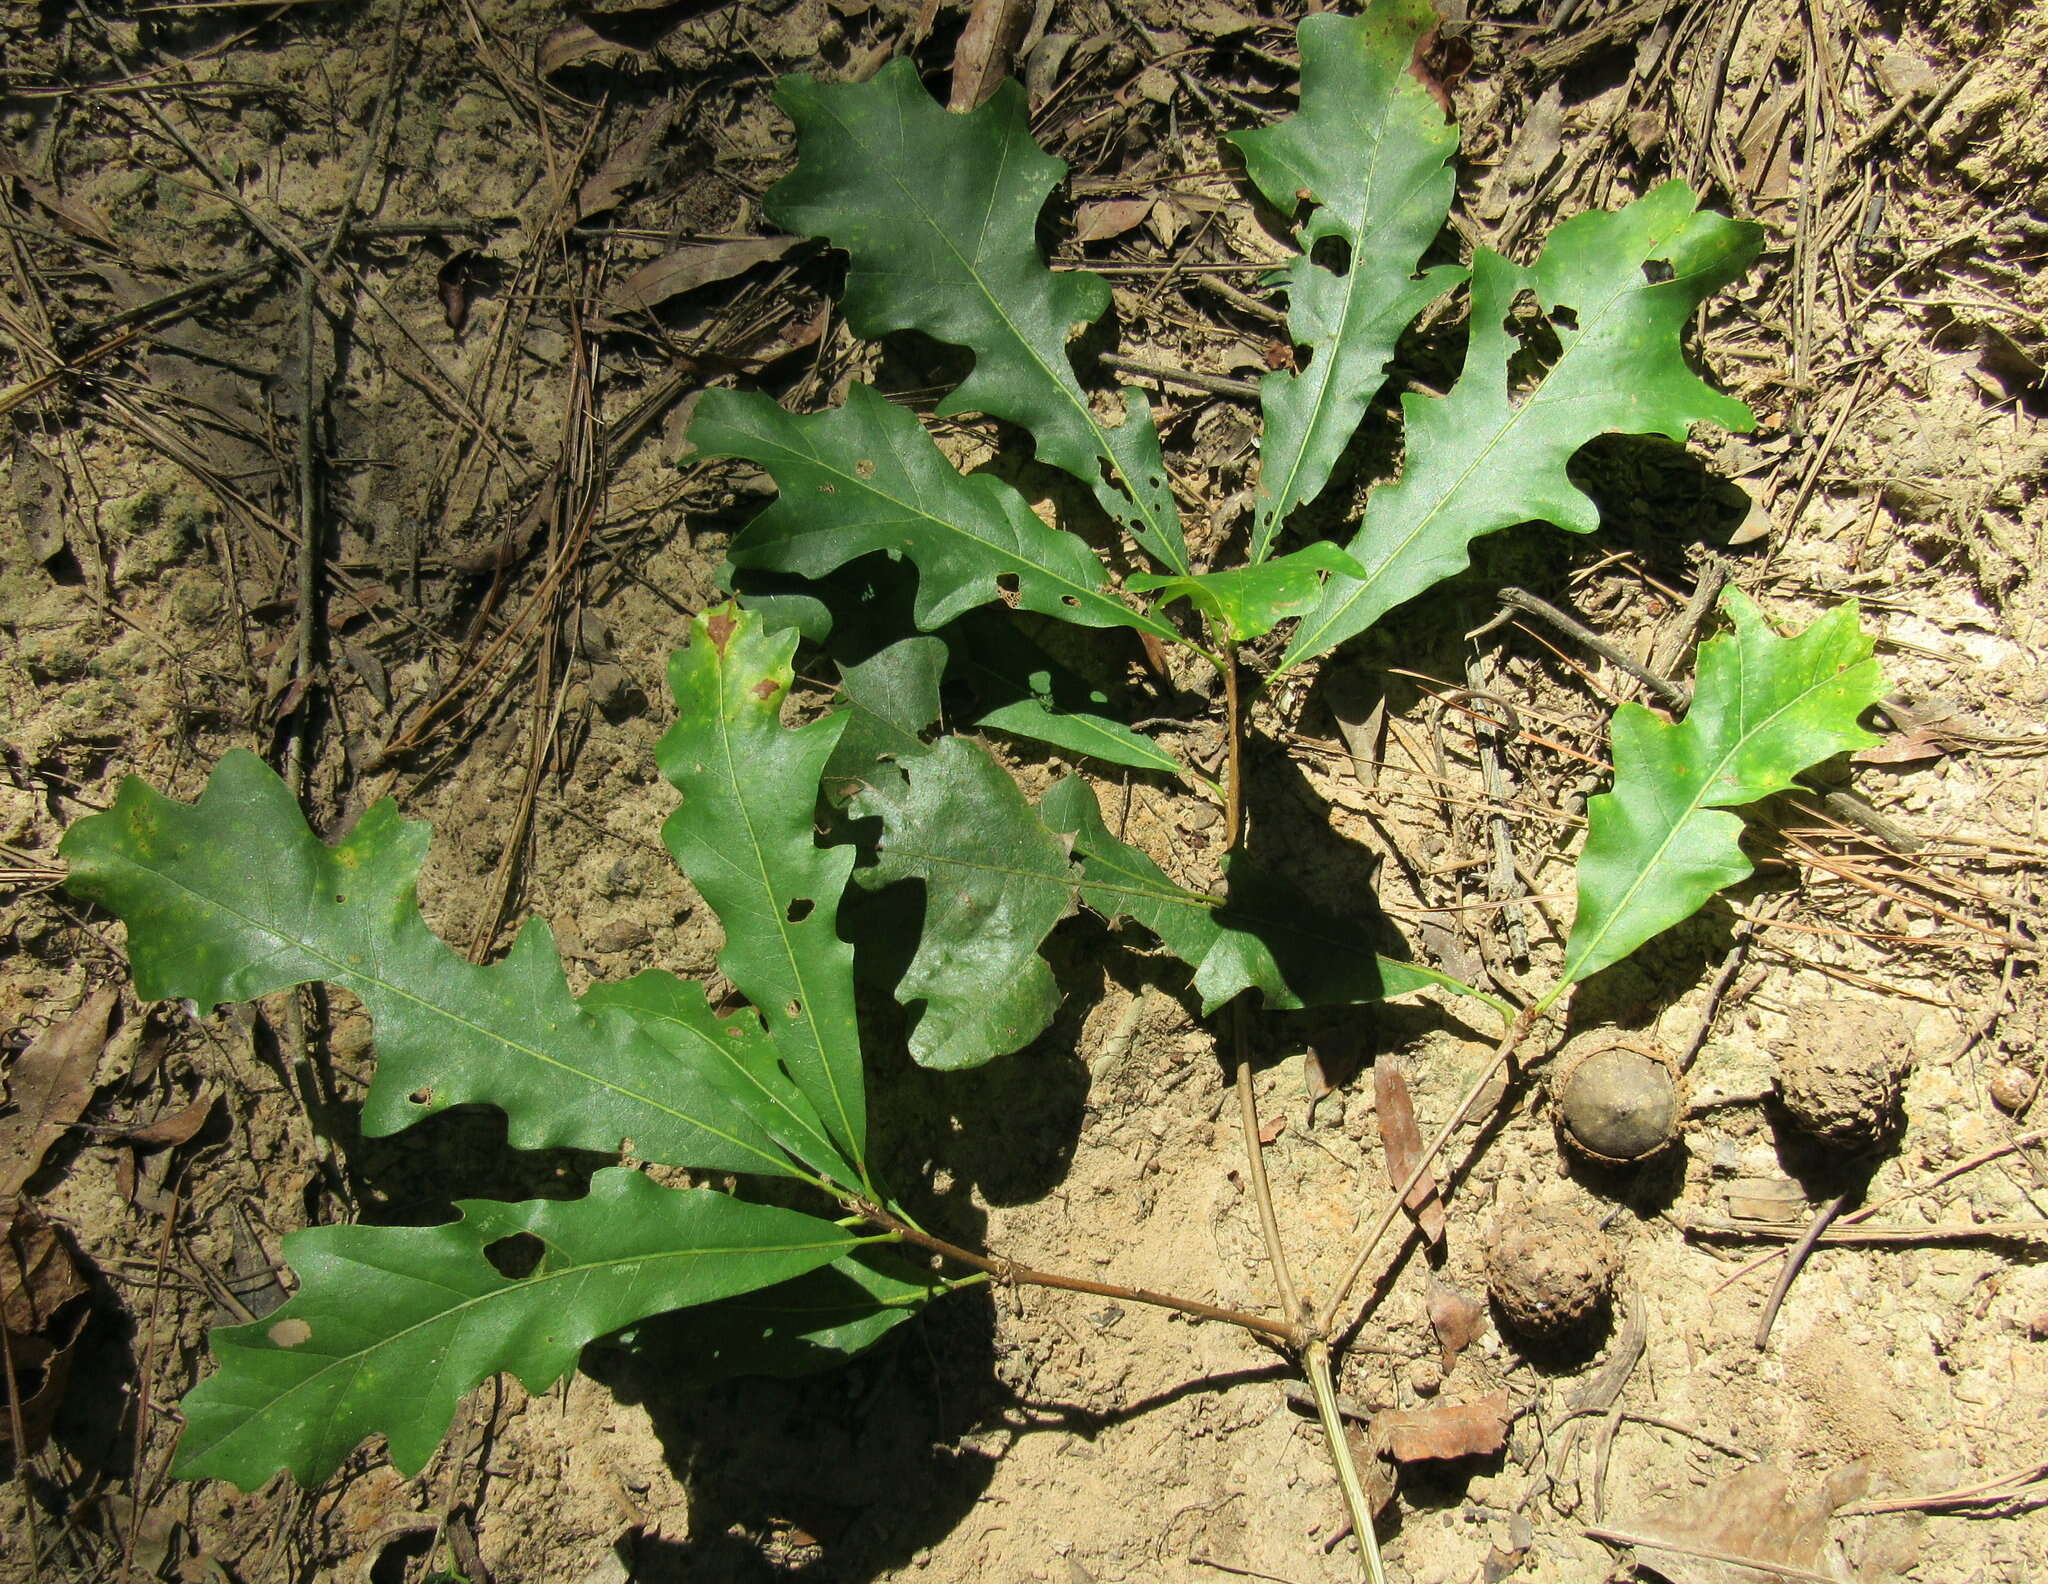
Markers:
<point>1793,1261</point>
<point>1671,692</point>
<point>1316,1360</point>
<point>1926,1185</point>
<point>1006,1270</point>
<point>1214,384</point>
<point>1255,1166</point>
<point>1233,752</point>
<point>18,1434</point>
<point>2013,1485</point>
<point>1623,1537</point>
<point>1517,1031</point>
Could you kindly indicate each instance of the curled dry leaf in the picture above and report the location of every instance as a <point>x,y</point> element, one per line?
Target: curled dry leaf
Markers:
<point>1456,1317</point>
<point>1098,222</point>
<point>628,165</point>
<point>175,1128</point>
<point>1443,1430</point>
<point>39,1283</point>
<point>1403,1143</point>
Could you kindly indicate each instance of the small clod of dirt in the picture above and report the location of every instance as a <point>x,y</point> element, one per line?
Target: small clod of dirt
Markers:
<point>1841,1069</point>
<point>1550,1270</point>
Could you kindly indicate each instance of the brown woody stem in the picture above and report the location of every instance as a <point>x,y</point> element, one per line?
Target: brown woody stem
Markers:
<point>1010,1271</point>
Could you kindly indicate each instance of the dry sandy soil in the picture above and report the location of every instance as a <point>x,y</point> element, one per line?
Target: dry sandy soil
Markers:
<point>511,535</point>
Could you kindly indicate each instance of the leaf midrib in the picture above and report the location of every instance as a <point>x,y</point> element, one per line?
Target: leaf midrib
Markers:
<point>809,1014</point>
<point>344,973</point>
<point>521,1285</point>
<point>1696,805</point>
<point>1516,413</point>
<point>1268,529</point>
<point>1094,595</point>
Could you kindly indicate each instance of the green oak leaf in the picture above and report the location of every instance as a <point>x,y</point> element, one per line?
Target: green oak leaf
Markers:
<point>1765,708</point>
<point>892,697</point>
<point>1081,732</point>
<point>233,897</point>
<point>392,1326</point>
<point>938,214</point>
<point>996,881</point>
<point>1263,936</point>
<point>1250,601</point>
<point>744,836</point>
<point>1479,460</point>
<point>867,477</point>
<point>1371,151</point>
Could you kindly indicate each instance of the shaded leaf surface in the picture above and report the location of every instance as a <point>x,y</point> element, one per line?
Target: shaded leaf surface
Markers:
<point>391,1326</point>
<point>892,697</point>
<point>1264,936</point>
<point>866,477</point>
<point>448,1032</point>
<point>938,213</point>
<point>676,1012</point>
<point>816,1321</point>
<point>1764,709</point>
<point>1371,149</point>
<point>996,881</point>
<point>1478,459</point>
<point>744,837</point>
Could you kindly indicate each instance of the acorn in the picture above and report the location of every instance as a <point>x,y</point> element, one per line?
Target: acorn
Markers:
<point>1619,1103</point>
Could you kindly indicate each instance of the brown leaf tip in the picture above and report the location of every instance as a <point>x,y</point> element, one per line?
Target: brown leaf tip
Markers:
<point>719,627</point>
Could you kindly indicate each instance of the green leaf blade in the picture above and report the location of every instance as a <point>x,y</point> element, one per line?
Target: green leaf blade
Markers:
<point>1372,151</point>
<point>938,213</point>
<point>1082,732</point>
<point>1250,601</point>
<point>1764,710</point>
<point>1479,461</point>
<point>392,1326</point>
<point>996,881</point>
<point>744,837</point>
<point>866,477</point>
<point>449,1032</point>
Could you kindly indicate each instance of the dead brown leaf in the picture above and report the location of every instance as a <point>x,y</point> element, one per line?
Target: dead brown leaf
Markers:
<point>1922,743</point>
<point>39,1279</point>
<point>1402,1141</point>
<point>688,268</point>
<point>176,1128</point>
<point>50,1085</point>
<point>70,213</point>
<point>628,165</point>
<point>1443,1430</point>
<point>633,29</point>
<point>1753,1514</point>
<point>981,60</point>
<point>1456,1317</point>
<point>1098,222</point>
